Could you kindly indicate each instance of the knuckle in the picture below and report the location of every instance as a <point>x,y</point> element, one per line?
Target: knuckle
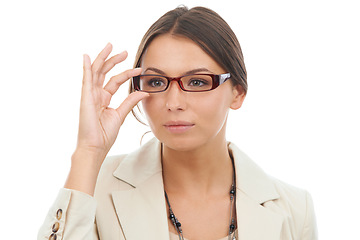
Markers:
<point>101,76</point>
<point>95,69</point>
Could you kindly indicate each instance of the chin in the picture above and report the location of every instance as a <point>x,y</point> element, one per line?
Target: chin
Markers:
<point>179,147</point>
<point>182,144</point>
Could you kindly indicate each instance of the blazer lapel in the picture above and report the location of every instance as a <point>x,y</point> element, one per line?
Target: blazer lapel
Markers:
<point>254,188</point>
<point>256,222</point>
<point>141,210</point>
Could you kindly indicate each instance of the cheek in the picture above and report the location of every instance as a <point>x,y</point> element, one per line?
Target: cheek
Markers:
<point>212,112</point>
<point>150,107</point>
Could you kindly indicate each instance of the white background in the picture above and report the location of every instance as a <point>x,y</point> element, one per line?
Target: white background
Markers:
<point>299,122</point>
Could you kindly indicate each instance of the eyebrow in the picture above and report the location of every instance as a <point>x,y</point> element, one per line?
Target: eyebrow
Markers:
<point>193,71</point>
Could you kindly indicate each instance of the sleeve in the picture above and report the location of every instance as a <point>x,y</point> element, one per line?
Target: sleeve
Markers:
<point>72,216</point>
<point>309,231</point>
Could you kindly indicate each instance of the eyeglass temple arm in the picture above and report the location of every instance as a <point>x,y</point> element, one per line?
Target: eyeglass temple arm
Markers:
<point>224,77</point>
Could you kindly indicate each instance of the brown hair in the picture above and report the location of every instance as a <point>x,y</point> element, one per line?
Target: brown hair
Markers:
<point>207,29</point>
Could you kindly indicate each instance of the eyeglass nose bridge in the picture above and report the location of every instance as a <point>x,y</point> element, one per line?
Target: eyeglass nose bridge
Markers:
<point>177,79</point>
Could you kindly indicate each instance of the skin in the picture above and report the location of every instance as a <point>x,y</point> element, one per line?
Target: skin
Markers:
<point>98,124</point>
<point>197,168</point>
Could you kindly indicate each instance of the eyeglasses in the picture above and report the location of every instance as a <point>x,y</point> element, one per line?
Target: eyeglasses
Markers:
<point>190,83</point>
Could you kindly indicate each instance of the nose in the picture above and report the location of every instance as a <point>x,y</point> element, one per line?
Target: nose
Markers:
<point>175,97</point>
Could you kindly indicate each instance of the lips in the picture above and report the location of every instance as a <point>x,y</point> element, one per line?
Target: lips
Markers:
<point>178,126</point>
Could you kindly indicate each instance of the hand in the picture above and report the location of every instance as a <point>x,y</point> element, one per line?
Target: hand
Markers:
<point>99,125</point>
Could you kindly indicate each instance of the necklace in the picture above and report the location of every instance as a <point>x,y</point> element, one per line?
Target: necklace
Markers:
<point>232,222</point>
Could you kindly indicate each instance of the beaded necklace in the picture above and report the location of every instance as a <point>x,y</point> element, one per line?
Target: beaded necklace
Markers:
<point>232,222</point>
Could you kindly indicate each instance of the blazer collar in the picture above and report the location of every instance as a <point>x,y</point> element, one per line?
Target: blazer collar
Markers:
<point>250,178</point>
<point>138,166</point>
<point>254,189</point>
<point>142,209</point>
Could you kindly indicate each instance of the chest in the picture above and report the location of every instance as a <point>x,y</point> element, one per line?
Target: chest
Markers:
<point>202,218</point>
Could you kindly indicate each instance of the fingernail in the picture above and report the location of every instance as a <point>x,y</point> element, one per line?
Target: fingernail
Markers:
<point>85,56</point>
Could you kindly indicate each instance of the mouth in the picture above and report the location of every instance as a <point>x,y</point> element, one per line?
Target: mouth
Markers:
<point>178,126</point>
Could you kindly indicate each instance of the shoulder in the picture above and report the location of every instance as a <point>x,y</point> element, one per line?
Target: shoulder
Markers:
<point>289,192</point>
<point>292,199</point>
<point>262,187</point>
<point>296,206</point>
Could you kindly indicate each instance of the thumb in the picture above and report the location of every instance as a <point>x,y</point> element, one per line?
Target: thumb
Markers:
<point>129,103</point>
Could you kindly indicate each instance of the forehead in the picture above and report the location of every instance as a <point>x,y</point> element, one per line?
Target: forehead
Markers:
<point>175,55</point>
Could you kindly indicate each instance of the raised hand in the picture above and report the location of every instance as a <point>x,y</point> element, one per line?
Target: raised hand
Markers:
<point>99,125</point>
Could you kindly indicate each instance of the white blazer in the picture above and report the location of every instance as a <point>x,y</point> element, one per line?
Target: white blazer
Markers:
<point>129,203</point>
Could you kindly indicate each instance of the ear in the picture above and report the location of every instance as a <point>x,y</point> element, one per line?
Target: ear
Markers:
<point>238,97</point>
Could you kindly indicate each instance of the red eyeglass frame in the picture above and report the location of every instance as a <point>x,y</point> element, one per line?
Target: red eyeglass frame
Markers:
<point>217,80</point>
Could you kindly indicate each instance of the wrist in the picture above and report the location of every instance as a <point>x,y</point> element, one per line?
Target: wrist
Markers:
<point>85,167</point>
<point>87,157</point>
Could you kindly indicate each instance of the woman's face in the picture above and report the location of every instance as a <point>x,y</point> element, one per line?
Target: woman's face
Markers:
<point>183,120</point>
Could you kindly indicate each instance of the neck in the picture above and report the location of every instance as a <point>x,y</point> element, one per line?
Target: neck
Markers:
<point>203,171</point>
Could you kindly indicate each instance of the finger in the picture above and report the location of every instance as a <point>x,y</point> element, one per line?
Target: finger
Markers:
<point>109,64</point>
<point>100,59</point>
<point>87,75</point>
<point>115,82</point>
<point>130,102</point>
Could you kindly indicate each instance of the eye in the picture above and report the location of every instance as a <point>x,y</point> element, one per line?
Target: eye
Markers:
<point>198,82</point>
<point>155,82</point>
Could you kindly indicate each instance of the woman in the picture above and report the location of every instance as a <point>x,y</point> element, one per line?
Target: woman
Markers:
<point>189,182</point>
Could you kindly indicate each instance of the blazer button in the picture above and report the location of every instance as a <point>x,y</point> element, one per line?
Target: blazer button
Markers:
<point>59,214</point>
<point>55,227</point>
<point>53,236</point>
